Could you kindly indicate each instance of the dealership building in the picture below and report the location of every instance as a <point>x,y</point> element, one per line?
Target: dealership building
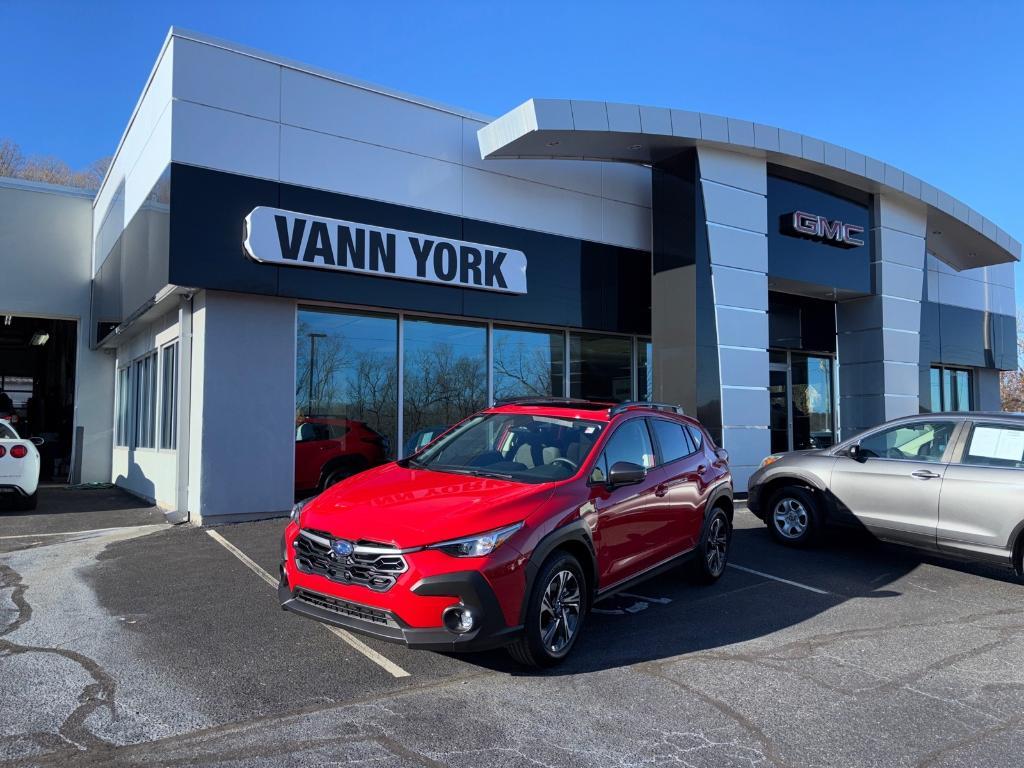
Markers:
<point>280,256</point>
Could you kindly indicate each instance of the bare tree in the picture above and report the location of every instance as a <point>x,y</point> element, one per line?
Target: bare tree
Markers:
<point>52,170</point>
<point>1011,383</point>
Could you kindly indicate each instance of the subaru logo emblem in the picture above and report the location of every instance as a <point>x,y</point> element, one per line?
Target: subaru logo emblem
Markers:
<point>342,548</point>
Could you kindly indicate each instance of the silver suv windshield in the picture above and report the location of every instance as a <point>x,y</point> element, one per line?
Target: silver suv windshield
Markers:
<point>524,448</point>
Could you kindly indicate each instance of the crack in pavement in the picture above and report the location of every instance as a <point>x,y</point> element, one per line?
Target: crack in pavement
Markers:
<point>74,734</point>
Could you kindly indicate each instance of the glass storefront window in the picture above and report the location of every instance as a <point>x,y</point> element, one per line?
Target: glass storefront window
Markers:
<point>644,369</point>
<point>347,369</point>
<point>600,367</point>
<point>528,363</point>
<point>812,402</point>
<point>444,373</point>
<point>950,389</point>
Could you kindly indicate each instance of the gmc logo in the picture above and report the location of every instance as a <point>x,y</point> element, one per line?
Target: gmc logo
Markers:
<point>816,227</point>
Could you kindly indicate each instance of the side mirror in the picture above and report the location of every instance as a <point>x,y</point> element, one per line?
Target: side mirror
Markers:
<point>855,453</point>
<point>37,441</point>
<point>625,473</point>
<point>722,454</point>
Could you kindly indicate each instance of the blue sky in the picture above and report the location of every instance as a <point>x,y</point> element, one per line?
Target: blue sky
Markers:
<point>934,88</point>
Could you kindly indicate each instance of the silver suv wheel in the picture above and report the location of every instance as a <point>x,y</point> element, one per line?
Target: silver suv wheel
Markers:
<point>790,517</point>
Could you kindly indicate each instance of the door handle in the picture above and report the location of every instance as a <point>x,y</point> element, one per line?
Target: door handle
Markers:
<point>701,469</point>
<point>661,490</point>
<point>924,474</point>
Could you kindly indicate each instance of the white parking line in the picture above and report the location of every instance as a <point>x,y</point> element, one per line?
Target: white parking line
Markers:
<point>779,579</point>
<point>63,533</point>
<point>381,661</point>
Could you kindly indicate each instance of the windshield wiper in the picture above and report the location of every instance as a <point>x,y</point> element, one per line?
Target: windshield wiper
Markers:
<point>474,471</point>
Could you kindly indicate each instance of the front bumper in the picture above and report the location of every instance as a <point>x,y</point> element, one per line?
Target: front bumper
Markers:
<point>755,500</point>
<point>470,587</point>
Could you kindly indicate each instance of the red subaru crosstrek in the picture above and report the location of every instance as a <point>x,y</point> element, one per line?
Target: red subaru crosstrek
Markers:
<point>506,528</point>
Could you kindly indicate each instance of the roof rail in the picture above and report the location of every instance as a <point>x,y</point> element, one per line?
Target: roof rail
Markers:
<point>632,404</point>
<point>552,401</point>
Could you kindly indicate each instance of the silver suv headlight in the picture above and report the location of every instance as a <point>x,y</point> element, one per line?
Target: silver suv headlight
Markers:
<point>479,545</point>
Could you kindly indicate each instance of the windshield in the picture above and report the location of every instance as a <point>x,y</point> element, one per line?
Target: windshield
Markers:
<point>513,446</point>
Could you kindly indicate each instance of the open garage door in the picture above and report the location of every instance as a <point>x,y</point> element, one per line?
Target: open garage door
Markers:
<point>37,386</point>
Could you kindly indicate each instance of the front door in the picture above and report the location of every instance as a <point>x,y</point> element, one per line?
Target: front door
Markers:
<point>893,486</point>
<point>628,517</point>
<point>800,390</point>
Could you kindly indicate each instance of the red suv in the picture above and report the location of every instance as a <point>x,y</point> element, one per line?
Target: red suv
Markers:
<point>327,450</point>
<point>507,528</point>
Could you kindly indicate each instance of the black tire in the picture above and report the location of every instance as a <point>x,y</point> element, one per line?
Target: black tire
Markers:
<point>792,516</point>
<point>335,475</point>
<point>713,551</point>
<point>531,649</point>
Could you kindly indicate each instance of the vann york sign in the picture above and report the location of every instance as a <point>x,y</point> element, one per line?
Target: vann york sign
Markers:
<point>274,236</point>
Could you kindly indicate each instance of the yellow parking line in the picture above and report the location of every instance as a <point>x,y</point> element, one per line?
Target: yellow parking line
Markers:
<point>381,661</point>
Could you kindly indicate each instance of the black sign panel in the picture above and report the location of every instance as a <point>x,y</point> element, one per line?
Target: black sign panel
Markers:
<point>818,236</point>
<point>575,283</point>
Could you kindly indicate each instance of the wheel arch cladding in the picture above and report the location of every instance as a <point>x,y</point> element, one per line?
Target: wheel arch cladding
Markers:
<point>576,540</point>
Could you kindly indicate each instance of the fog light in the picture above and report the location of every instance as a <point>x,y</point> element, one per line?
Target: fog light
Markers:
<point>458,619</point>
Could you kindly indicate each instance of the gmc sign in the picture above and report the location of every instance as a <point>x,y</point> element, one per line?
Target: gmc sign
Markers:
<point>815,227</point>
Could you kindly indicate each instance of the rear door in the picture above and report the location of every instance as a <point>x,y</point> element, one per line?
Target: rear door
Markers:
<point>629,522</point>
<point>678,498</point>
<point>894,489</point>
<point>982,490</point>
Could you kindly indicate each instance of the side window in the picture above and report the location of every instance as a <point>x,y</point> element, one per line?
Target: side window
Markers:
<point>995,445</point>
<point>673,440</point>
<point>600,471</point>
<point>630,442</point>
<point>919,441</point>
<point>696,436</point>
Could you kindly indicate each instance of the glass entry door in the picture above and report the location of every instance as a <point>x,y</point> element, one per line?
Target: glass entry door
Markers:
<point>802,401</point>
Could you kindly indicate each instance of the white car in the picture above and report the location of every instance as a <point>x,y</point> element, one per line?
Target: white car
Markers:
<point>19,467</point>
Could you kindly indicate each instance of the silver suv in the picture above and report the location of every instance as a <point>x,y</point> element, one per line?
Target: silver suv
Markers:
<point>946,482</point>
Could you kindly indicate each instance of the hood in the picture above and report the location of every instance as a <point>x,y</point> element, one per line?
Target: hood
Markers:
<point>407,507</point>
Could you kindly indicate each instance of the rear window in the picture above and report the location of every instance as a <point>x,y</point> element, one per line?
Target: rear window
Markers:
<point>6,433</point>
<point>995,445</point>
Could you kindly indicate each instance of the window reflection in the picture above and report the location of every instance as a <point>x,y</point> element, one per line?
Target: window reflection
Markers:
<point>812,402</point>
<point>528,363</point>
<point>347,368</point>
<point>445,372</point>
<point>644,370</point>
<point>600,366</point>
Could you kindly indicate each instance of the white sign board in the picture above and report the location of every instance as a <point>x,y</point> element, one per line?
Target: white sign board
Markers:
<point>274,236</point>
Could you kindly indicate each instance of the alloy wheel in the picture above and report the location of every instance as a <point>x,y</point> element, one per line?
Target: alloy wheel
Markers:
<point>560,611</point>
<point>717,546</point>
<point>791,518</point>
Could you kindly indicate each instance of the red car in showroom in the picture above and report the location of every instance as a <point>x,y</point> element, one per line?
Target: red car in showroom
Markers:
<point>505,529</point>
<point>330,449</point>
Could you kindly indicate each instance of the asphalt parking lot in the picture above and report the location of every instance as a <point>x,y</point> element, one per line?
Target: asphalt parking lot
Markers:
<point>145,644</point>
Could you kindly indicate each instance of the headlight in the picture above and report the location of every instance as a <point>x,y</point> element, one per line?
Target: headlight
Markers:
<point>769,460</point>
<point>298,507</point>
<point>479,545</point>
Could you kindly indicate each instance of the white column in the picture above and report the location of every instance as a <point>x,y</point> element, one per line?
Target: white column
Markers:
<point>734,188</point>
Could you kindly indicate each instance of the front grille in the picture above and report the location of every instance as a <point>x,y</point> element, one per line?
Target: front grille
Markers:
<point>345,608</point>
<point>375,571</point>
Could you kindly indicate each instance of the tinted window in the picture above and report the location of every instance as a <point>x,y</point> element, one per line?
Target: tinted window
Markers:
<point>6,433</point>
<point>672,440</point>
<point>921,441</point>
<point>996,445</point>
<point>630,442</point>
